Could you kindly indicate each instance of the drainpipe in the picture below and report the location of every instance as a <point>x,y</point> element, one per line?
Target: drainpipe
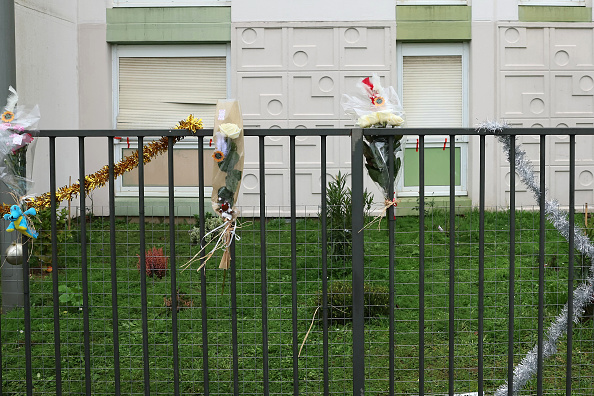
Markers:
<point>12,275</point>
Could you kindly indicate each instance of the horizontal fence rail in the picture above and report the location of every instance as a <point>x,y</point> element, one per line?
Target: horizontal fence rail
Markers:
<point>446,300</point>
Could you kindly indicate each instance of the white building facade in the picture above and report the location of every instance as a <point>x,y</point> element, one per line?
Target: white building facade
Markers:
<point>455,63</point>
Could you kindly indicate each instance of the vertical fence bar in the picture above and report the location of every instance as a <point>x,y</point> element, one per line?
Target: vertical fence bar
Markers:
<point>452,263</point>
<point>84,262</point>
<point>114,278</point>
<point>512,264</point>
<point>391,260</point>
<point>358,262</point>
<point>324,267</point>
<point>143,292</point>
<point>174,325</point>
<point>263,278</point>
<point>203,307</point>
<point>294,267</point>
<point>541,267</point>
<point>421,265</point>
<point>570,277</point>
<point>234,319</point>
<point>27,312</point>
<point>481,304</point>
<point>55,291</point>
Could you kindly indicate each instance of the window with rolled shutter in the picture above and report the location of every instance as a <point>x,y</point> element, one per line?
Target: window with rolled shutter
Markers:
<point>432,91</point>
<point>154,88</point>
<point>433,88</point>
<point>156,93</point>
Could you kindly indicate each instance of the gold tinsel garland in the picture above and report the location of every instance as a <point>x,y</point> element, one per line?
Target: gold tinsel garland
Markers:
<point>101,177</point>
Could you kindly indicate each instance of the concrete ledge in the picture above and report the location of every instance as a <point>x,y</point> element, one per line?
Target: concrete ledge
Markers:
<point>159,206</point>
<point>407,205</point>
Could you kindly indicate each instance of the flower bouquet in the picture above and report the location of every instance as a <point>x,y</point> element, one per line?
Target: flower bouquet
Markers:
<point>378,107</point>
<point>17,144</point>
<point>227,172</point>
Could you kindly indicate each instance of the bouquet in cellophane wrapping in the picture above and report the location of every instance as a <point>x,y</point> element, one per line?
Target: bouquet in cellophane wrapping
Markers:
<point>377,107</point>
<point>18,137</point>
<point>228,157</point>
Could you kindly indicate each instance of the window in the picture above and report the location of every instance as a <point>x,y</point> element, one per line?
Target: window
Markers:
<point>434,92</point>
<point>154,88</point>
<point>169,3</point>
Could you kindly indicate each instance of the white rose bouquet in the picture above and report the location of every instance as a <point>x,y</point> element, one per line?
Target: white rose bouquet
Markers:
<point>378,107</point>
<point>226,180</point>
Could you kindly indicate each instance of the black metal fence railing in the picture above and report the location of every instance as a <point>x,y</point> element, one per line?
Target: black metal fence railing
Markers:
<point>446,301</point>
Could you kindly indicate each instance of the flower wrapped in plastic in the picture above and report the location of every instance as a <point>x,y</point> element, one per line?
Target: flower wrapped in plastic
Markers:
<point>18,137</point>
<point>377,107</point>
<point>228,157</point>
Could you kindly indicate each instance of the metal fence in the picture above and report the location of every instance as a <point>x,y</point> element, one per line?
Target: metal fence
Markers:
<point>462,294</point>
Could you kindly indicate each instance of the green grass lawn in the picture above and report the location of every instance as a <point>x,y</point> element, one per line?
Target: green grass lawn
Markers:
<point>309,284</point>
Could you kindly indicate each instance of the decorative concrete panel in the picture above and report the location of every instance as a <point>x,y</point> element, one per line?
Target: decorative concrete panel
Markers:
<point>524,197</point>
<point>365,48</point>
<point>546,80</point>
<point>584,185</point>
<point>259,48</point>
<point>263,95</point>
<point>276,186</point>
<point>572,94</point>
<point>583,150</point>
<point>523,48</point>
<point>313,49</point>
<point>529,123</point>
<point>308,148</point>
<point>314,95</point>
<point>524,94</point>
<point>275,152</point>
<point>292,75</point>
<point>571,49</point>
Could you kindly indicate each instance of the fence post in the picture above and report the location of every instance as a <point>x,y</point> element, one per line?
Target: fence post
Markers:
<point>357,257</point>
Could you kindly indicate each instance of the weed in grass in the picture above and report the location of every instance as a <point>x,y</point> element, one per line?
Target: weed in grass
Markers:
<point>183,301</point>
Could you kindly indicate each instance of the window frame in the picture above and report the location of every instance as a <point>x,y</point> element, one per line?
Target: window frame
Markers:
<point>161,51</point>
<point>435,141</point>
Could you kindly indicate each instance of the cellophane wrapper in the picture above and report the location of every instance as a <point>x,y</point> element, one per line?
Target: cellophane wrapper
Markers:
<point>363,108</point>
<point>227,173</point>
<point>18,139</point>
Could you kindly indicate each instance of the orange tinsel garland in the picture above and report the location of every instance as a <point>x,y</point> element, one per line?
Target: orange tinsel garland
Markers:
<point>100,178</point>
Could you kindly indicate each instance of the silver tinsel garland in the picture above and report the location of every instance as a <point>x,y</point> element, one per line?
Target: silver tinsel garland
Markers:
<point>582,295</point>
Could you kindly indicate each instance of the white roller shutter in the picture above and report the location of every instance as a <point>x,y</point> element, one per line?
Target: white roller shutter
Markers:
<point>157,92</point>
<point>432,91</point>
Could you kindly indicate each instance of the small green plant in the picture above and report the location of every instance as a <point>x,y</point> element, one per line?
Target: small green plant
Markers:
<point>156,263</point>
<point>211,223</point>
<point>71,296</point>
<point>340,221</point>
<point>340,301</point>
<point>42,246</point>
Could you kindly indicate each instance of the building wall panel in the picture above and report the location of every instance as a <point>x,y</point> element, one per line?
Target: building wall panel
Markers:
<point>546,80</point>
